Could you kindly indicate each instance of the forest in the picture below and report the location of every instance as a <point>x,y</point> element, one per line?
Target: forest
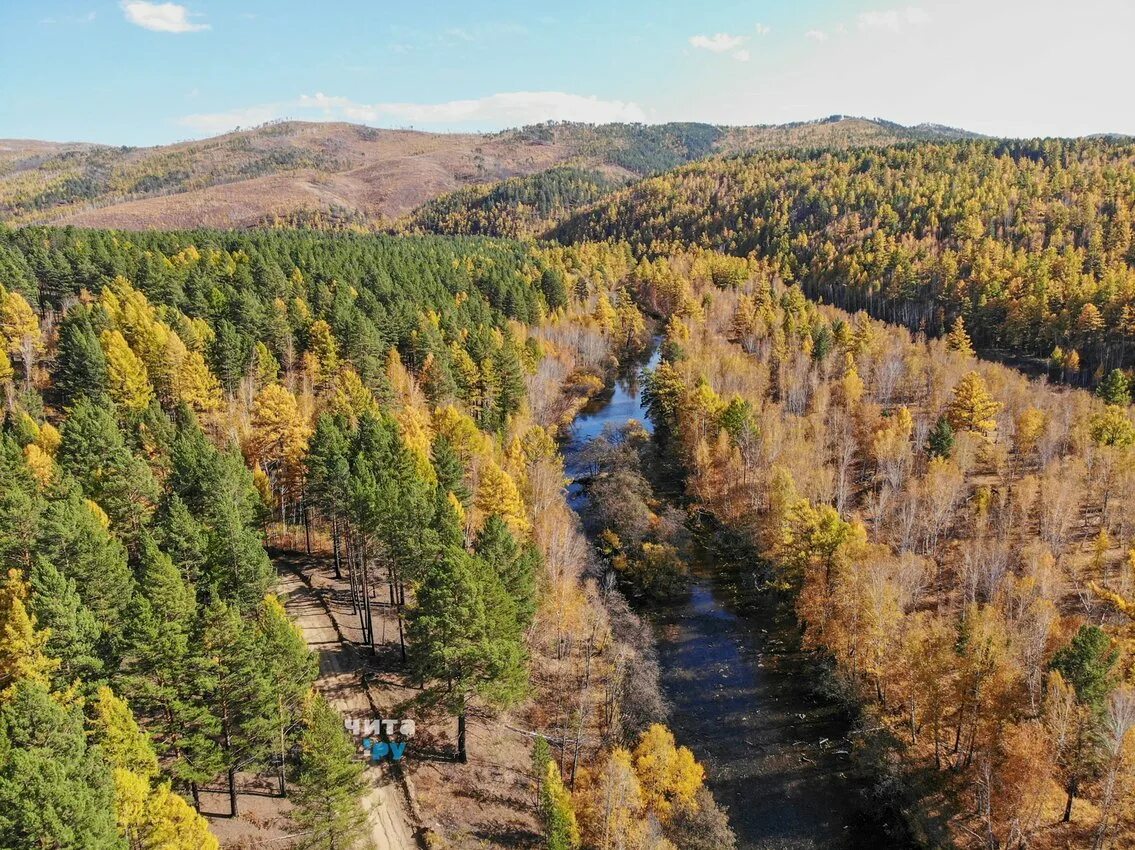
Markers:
<point>1029,242</point>
<point>175,402</point>
<point>203,426</point>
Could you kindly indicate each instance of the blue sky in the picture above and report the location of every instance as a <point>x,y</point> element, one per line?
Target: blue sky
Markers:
<point>135,72</point>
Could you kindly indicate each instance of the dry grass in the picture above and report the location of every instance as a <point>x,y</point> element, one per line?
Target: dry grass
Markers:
<point>242,178</point>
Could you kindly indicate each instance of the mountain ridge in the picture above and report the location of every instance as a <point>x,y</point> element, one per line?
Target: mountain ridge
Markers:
<point>352,173</point>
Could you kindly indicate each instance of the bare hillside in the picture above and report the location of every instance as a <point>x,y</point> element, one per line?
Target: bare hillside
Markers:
<point>291,170</point>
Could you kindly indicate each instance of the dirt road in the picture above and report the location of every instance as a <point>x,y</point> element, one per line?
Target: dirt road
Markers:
<point>310,598</point>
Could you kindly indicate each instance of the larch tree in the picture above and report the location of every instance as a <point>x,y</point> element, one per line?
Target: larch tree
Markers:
<point>278,441</point>
<point>497,494</point>
<point>561,831</point>
<point>958,340</point>
<point>22,657</point>
<point>971,407</point>
<point>20,328</point>
<point>668,774</point>
<point>127,380</point>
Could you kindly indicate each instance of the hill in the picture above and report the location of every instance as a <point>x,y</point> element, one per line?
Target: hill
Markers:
<point>339,173</point>
<point>1030,243</point>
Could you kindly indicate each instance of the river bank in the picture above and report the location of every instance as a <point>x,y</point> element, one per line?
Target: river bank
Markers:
<point>741,695</point>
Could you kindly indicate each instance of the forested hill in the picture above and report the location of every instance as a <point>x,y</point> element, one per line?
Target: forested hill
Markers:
<point>386,409</point>
<point>159,392</point>
<point>336,175</point>
<point>1029,242</point>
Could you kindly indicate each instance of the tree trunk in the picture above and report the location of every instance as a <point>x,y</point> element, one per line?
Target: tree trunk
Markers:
<point>283,767</point>
<point>1072,788</point>
<point>335,547</point>
<point>233,810</point>
<point>401,636</point>
<point>195,791</point>
<point>462,754</point>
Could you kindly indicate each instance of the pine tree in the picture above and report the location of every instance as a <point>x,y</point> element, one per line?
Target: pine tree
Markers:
<point>74,633</point>
<point>516,566</point>
<point>463,629</point>
<point>1086,663</point>
<point>72,537</point>
<point>218,491</point>
<point>228,355</point>
<point>80,363</point>
<point>541,756</point>
<point>449,469</point>
<point>95,452</point>
<point>55,790</point>
<point>1115,388</point>
<point>240,696</point>
<point>167,676</point>
<point>183,537</point>
<point>290,669</point>
<point>330,783</point>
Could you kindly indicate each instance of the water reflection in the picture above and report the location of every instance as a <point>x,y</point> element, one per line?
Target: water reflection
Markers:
<point>739,691</point>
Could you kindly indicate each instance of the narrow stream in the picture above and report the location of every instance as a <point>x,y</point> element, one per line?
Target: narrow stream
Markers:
<point>739,692</point>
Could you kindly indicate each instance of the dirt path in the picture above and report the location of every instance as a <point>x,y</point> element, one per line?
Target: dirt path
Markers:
<point>310,599</point>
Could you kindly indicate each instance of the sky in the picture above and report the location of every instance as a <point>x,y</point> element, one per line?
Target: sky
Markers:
<point>143,73</point>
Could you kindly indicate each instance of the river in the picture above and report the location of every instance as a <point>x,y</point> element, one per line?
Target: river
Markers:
<point>739,692</point>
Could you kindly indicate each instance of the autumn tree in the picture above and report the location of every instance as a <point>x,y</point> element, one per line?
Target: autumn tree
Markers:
<point>971,407</point>
<point>668,774</point>
<point>958,340</point>
<point>128,382</point>
<point>561,832</point>
<point>20,329</point>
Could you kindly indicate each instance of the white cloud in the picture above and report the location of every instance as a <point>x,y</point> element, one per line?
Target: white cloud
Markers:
<point>70,19</point>
<point>722,42</point>
<point>496,111</point>
<point>160,17</point>
<point>816,35</point>
<point>763,30</point>
<point>212,123</point>
<point>894,20</point>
